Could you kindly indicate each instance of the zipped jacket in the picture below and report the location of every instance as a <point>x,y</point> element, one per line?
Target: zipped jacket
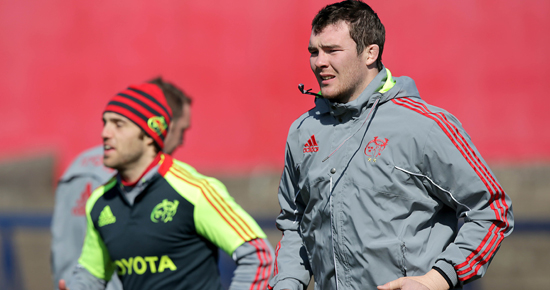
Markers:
<point>373,190</point>
<point>68,228</point>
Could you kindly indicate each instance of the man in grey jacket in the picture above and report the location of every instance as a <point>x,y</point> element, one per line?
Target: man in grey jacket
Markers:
<point>87,173</point>
<point>376,180</point>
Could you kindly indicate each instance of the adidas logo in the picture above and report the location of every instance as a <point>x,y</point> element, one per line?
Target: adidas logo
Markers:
<point>80,208</point>
<point>311,145</point>
<point>106,217</point>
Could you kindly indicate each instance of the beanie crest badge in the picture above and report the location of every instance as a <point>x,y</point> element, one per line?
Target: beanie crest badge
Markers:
<point>157,124</point>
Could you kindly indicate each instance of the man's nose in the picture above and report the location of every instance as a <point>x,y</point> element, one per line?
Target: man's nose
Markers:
<point>321,60</point>
<point>106,132</point>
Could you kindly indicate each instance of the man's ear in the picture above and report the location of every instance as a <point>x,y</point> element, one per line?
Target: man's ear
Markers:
<point>370,54</point>
<point>149,141</point>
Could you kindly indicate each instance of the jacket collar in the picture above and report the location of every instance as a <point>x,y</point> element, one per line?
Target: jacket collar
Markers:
<point>148,176</point>
<point>381,84</point>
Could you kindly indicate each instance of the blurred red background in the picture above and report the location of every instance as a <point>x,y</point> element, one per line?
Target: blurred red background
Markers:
<point>486,62</point>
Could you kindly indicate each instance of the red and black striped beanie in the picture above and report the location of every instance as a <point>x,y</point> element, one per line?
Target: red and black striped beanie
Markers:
<point>146,106</point>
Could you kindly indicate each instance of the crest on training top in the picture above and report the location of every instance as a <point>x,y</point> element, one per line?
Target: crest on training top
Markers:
<point>157,124</point>
<point>375,147</point>
<point>164,211</point>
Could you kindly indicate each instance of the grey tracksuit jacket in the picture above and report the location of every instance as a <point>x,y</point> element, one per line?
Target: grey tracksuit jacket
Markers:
<point>387,202</point>
<point>68,228</point>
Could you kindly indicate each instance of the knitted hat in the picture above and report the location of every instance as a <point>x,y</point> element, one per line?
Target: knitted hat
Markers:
<point>146,106</point>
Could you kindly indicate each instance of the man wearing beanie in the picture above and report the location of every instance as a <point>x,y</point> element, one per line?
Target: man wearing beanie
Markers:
<point>86,173</point>
<point>158,223</point>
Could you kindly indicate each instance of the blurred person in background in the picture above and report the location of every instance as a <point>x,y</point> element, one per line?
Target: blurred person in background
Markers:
<point>375,179</point>
<point>85,174</point>
<point>158,223</point>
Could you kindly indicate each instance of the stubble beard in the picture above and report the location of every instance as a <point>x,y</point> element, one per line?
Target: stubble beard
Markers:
<point>341,93</point>
<point>348,83</point>
<point>122,162</point>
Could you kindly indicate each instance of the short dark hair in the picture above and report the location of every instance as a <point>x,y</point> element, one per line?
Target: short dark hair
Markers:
<point>175,97</point>
<point>365,28</point>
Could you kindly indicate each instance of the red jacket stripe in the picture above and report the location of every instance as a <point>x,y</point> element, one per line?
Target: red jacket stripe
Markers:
<point>259,270</point>
<point>276,271</point>
<point>268,264</point>
<point>265,265</point>
<point>480,264</point>
<point>489,188</point>
<point>167,162</point>
<point>495,189</point>
<point>494,240</point>
<point>487,238</point>
<point>478,164</point>
<point>461,148</point>
<point>411,106</point>
<point>471,154</point>
<point>500,198</point>
<point>476,169</point>
<point>246,231</point>
<point>264,269</point>
<point>439,118</point>
<point>240,234</point>
<point>449,131</point>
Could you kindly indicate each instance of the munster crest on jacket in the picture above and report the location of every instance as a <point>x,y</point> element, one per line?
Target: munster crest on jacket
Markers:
<point>375,147</point>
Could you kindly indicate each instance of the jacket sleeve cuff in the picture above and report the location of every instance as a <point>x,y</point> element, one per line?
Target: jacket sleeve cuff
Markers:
<point>447,271</point>
<point>82,279</point>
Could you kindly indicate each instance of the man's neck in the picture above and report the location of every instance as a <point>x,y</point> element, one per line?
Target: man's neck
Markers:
<point>134,172</point>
